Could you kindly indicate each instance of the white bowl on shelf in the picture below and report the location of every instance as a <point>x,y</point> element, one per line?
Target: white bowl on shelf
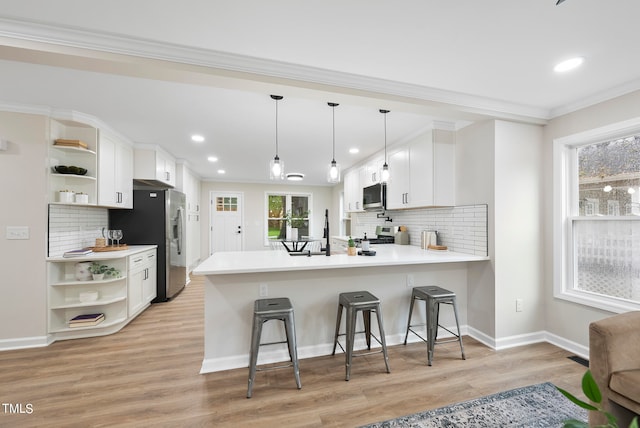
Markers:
<point>88,296</point>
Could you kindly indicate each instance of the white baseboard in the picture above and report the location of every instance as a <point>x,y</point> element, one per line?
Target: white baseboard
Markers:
<point>24,343</point>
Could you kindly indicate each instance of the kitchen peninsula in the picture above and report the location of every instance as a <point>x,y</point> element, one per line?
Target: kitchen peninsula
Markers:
<point>235,279</point>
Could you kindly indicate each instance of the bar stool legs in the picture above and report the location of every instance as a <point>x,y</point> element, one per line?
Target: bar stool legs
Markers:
<point>272,309</point>
<point>366,303</point>
<point>433,297</point>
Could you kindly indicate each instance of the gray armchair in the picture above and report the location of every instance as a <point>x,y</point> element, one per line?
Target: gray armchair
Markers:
<point>614,361</point>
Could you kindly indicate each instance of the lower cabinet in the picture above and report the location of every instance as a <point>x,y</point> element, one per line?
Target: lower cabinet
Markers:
<point>73,292</point>
<point>142,281</point>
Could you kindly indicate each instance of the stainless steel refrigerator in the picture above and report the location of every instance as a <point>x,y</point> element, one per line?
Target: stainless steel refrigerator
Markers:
<point>157,218</point>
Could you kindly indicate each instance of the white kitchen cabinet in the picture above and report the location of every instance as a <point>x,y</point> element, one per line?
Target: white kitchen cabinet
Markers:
<point>189,184</point>
<point>65,297</point>
<point>120,298</point>
<point>142,281</point>
<point>398,183</point>
<point>353,190</point>
<point>78,156</point>
<point>339,244</point>
<point>371,172</point>
<point>115,178</point>
<point>422,172</point>
<point>154,164</point>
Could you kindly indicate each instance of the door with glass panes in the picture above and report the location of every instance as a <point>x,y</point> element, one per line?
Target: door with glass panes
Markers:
<point>226,222</point>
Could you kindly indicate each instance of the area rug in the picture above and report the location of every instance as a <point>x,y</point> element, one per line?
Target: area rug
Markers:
<point>532,406</point>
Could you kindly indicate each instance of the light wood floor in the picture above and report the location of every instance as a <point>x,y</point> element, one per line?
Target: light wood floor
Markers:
<point>147,375</point>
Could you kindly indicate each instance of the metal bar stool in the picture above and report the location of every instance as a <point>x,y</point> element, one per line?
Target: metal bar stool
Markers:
<point>367,303</point>
<point>434,296</point>
<point>263,311</point>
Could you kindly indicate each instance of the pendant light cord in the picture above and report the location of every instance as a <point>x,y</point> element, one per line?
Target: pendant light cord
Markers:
<point>385,133</point>
<point>333,113</point>
<point>276,127</point>
<point>276,98</point>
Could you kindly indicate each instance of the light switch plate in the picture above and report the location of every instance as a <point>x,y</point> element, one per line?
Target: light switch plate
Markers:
<point>17,232</point>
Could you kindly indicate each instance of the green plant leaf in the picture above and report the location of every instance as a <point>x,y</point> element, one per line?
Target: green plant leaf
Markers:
<point>590,387</point>
<point>634,423</point>
<point>574,423</point>
<point>576,400</point>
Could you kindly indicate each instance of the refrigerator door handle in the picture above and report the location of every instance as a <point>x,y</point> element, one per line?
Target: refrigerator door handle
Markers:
<point>179,234</point>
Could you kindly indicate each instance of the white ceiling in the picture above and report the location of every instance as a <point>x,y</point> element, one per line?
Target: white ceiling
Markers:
<point>158,71</point>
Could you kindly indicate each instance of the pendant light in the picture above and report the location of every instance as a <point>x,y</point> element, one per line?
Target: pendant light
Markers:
<point>276,166</point>
<point>333,173</point>
<point>384,177</point>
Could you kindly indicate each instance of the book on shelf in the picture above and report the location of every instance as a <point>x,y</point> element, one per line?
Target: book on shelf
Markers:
<point>78,252</point>
<point>71,143</point>
<point>86,320</point>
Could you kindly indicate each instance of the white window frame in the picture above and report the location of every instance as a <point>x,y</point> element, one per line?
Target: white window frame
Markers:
<point>564,202</point>
<point>289,195</point>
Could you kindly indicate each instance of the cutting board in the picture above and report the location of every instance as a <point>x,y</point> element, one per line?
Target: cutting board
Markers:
<point>109,248</point>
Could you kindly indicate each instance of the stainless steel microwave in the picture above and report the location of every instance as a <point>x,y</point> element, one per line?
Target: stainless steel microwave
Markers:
<point>374,197</point>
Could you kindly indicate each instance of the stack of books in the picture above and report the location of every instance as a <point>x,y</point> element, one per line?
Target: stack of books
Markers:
<point>78,253</point>
<point>86,320</point>
<point>70,143</point>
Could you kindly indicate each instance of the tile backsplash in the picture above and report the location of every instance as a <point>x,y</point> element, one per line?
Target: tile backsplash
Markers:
<point>463,229</point>
<point>72,227</point>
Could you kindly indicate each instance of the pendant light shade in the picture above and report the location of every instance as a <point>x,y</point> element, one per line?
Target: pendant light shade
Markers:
<point>333,172</point>
<point>384,176</point>
<point>276,166</point>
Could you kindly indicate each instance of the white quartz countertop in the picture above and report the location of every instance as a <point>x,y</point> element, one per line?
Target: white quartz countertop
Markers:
<point>104,255</point>
<point>223,263</point>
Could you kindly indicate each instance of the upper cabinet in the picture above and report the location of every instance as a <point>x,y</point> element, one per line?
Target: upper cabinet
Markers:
<point>353,190</point>
<point>115,179</point>
<point>73,161</point>
<point>371,172</point>
<point>422,172</point>
<point>154,164</point>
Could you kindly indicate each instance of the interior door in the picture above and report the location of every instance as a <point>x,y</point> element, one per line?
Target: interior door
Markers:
<point>226,222</point>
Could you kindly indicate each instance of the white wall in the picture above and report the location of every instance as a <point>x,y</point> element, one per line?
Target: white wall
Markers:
<point>566,319</point>
<point>23,194</point>
<point>518,228</point>
<point>474,185</point>
<point>499,163</point>
<point>254,210</point>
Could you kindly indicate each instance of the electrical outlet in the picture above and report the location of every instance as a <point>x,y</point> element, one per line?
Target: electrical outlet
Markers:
<point>410,280</point>
<point>264,289</point>
<point>519,304</point>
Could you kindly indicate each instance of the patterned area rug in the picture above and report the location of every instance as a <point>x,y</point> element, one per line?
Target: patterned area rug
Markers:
<point>532,406</point>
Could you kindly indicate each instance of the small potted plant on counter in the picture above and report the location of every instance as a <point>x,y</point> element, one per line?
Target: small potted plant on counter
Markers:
<point>100,271</point>
<point>351,247</point>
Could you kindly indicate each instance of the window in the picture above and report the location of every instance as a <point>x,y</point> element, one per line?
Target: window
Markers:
<point>226,203</point>
<point>597,215</point>
<point>284,211</point>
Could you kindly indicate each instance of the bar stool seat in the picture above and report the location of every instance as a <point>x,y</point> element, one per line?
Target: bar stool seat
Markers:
<point>433,297</point>
<point>263,311</point>
<point>354,302</point>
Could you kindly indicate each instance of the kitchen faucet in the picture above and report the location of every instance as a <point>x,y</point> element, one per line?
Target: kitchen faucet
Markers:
<point>326,235</point>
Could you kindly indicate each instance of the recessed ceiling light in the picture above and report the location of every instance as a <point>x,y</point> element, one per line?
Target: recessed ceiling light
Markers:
<point>295,176</point>
<point>222,171</point>
<point>197,138</point>
<point>354,150</point>
<point>569,64</point>
<point>212,159</point>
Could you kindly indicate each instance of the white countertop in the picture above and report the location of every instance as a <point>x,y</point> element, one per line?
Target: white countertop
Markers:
<point>103,255</point>
<point>222,263</point>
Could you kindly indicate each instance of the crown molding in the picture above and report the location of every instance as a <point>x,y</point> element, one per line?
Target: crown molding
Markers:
<point>74,37</point>
<point>609,94</point>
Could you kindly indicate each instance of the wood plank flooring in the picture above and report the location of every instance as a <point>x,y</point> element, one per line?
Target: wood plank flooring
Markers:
<point>148,375</point>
